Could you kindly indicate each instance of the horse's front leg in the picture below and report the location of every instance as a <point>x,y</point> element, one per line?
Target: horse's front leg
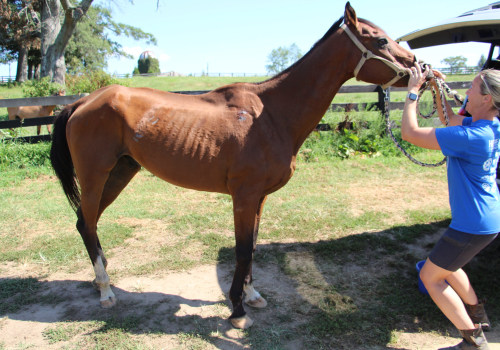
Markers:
<point>246,210</point>
<point>252,297</point>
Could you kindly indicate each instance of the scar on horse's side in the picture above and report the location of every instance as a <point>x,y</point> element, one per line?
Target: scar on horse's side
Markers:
<point>241,139</point>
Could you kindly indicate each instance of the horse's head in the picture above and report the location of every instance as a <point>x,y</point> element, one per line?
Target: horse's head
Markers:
<point>381,60</point>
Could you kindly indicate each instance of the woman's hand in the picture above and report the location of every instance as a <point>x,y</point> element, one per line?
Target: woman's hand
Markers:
<point>417,77</point>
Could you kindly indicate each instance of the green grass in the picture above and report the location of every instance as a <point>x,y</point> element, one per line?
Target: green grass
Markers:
<point>308,231</point>
<point>110,333</point>
<point>17,293</point>
<point>194,225</point>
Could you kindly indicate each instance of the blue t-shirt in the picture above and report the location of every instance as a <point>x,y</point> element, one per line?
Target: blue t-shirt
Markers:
<point>472,151</point>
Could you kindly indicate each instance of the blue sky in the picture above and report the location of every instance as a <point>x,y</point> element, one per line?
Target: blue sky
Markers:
<point>234,36</point>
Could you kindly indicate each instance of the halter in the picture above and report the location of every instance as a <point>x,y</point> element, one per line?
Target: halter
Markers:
<point>367,54</point>
<point>442,90</point>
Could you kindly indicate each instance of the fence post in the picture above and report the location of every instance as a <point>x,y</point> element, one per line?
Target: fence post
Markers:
<point>382,95</point>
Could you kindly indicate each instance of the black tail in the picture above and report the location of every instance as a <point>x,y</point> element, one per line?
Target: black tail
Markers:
<point>60,157</point>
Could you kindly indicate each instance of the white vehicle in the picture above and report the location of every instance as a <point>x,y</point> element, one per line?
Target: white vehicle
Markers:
<point>479,25</point>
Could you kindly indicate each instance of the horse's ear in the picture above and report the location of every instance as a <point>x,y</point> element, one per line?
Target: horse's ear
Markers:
<point>350,17</point>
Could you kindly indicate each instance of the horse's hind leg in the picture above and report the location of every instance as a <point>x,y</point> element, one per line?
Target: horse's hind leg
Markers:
<point>92,189</point>
<point>99,190</point>
<point>124,170</point>
<point>101,282</point>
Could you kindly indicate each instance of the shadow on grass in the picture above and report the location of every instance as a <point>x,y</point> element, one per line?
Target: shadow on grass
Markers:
<point>353,292</point>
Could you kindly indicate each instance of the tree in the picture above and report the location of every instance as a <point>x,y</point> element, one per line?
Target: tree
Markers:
<point>148,64</point>
<point>455,63</point>
<point>91,45</point>
<point>55,22</point>
<point>282,57</point>
<point>19,33</point>
<point>481,62</point>
<point>55,36</point>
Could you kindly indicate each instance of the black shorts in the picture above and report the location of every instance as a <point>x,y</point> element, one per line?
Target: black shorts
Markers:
<point>455,248</point>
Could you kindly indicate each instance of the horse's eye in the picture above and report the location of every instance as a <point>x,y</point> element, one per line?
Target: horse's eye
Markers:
<point>382,42</point>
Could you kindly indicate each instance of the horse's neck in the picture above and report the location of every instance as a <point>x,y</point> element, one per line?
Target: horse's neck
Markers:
<point>298,98</point>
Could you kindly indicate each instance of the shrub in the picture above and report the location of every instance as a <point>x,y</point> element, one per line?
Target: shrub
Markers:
<point>367,138</point>
<point>19,155</point>
<point>90,81</point>
<point>41,87</point>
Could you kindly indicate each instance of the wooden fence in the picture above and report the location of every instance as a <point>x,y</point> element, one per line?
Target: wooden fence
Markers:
<point>63,100</point>
<point>34,101</point>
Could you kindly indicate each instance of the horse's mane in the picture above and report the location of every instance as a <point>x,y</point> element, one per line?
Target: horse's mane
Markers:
<point>330,31</point>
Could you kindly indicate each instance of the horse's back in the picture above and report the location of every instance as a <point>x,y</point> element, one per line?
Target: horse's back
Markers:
<point>24,112</point>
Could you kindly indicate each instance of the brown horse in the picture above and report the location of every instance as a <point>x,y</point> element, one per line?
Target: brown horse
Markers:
<point>26,112</point>
<point>241,139</point>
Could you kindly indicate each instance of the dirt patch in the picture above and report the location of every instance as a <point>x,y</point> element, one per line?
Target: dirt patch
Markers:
<point>178,304</point>
<point>183,303</point>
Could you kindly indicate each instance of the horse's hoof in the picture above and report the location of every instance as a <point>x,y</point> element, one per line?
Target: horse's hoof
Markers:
<point>258,303</point>
<point>241,322</point>
<point>108,303</point>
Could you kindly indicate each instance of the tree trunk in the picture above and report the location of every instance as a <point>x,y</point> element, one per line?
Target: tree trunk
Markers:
<point>30,70</point>
<point>22,64</point>
<point>51,26</point>
<point>34,59</point>
<point>55,37</point>
<point>36,71</point>
<point>33,70</point>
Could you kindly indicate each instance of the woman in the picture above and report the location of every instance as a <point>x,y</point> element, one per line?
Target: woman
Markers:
<point>472,149</point>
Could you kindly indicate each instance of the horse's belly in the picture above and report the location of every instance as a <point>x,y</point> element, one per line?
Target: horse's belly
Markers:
<point>188,152</point>
<point>187,172</point>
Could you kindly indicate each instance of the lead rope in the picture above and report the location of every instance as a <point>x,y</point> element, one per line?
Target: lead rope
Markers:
<point>442,87</point>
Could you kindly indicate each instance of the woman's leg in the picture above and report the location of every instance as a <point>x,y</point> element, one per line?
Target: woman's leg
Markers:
<point>459,281</point>
<point>445,297</point>
<point>452,251</point>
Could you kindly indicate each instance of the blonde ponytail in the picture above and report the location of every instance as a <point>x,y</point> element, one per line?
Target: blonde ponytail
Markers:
<point>491,85</point>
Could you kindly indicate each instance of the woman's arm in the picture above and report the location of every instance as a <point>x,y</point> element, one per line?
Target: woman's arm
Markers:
<point>453,119</point>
